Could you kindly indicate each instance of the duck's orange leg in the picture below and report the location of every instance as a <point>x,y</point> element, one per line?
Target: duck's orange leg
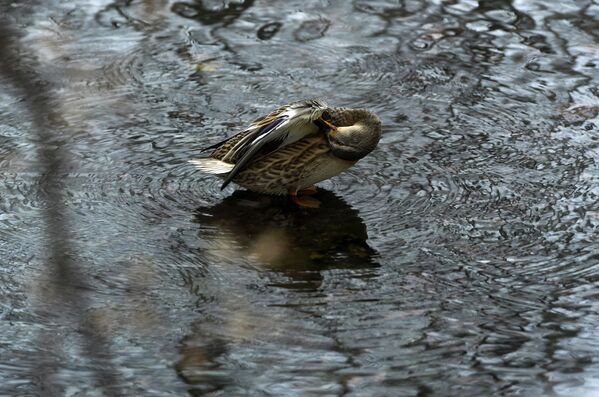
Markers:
<point>305,202</point>
<point>308,190</point>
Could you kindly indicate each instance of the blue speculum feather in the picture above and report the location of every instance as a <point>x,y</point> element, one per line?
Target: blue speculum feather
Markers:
<point>261,133</point>
<point>270,126</point>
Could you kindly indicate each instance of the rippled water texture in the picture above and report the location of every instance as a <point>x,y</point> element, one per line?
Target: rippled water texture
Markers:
<point>458,259</point>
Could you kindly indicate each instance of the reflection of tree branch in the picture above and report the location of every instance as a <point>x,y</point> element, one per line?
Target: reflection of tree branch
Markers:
<point>61,270</point>
<point>224,16</point>
<point>118,6</point>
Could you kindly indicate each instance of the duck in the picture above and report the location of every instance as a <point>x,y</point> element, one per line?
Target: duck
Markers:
<point>292,148</point>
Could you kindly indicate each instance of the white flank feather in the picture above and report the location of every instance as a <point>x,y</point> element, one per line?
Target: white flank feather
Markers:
<point>212,166</point>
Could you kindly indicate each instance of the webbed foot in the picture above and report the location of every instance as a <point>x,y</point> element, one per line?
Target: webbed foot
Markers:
<point>304,202</point>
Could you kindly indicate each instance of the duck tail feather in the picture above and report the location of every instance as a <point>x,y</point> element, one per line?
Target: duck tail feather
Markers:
<point>212,166</point>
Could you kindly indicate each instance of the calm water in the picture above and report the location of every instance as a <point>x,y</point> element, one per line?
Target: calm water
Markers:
<point>460,258</point>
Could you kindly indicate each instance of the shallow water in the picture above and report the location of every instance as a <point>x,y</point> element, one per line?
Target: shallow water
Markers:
<point>459,258</point>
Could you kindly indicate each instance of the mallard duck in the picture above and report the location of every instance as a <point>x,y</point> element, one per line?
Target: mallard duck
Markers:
<point>294,147</point>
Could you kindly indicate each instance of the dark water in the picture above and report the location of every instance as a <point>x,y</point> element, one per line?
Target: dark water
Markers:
<point>460,258</point>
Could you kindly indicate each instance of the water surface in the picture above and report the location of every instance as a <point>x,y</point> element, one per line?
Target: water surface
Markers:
<point>459,258</point>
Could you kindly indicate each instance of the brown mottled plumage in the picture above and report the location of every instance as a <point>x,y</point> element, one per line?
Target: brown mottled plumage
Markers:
<point>290,168</point>
<point>332,144</point>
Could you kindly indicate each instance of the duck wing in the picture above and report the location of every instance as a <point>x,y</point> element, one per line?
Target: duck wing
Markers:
<point>279,128</point>
<point>259,123</point>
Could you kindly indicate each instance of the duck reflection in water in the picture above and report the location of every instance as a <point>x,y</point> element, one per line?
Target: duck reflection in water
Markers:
<point>302,245</point>
<point>274,232</point>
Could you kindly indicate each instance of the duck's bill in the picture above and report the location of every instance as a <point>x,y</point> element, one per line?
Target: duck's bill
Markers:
<point>328,124</point>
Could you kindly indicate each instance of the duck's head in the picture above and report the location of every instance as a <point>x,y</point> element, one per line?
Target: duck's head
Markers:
<point>352,133</point>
